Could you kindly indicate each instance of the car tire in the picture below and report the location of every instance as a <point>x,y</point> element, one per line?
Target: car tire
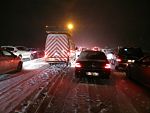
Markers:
<point>19,67</point>
<point>31,57</point>
<point>78,75</point>
<point>116,68</point>
<point>20,56</point>
<point>128,74</point>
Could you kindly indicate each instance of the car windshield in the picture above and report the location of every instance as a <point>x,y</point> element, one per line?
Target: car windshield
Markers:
<point>97,55</point>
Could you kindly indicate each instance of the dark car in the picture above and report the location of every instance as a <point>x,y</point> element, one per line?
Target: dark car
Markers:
<point>92,63</point>
<point>140,70</point>
<point>126,56</point>
<point>9,62</point>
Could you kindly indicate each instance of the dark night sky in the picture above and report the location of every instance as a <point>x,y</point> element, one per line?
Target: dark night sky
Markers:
<point>97,22</point>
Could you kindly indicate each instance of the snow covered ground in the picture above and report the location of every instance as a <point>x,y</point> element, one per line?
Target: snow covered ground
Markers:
<point>44,88</point>
<point>15,89</point>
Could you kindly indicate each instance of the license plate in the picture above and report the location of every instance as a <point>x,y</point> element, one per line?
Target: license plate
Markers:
<point>52,59</point>
<point>92,73</point>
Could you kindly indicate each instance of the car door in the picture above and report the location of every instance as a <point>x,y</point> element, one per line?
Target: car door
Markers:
<point>135,70</point>
<point>4,63</point>
<point>10,60</point>
<point>145,70</point>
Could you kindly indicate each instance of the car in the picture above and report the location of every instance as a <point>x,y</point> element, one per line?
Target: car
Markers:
<point>20,51</point>
<point>126,56</point>
<point>37,52</point>
<point>9,62</point>
<point>92,64</point>
<point>140,70</point>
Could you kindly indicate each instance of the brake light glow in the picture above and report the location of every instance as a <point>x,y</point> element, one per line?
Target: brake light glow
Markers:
<point>45,56</point>
<point>34,52</point>
<point>118,60</point>
<point>107,66</point>
<point>77,65</point>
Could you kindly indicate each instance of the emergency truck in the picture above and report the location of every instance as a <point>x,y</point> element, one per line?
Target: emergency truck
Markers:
<point>59,47</point>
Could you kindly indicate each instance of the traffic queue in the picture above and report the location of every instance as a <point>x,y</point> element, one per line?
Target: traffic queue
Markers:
<point>12,57</point>
<point>133,61</point>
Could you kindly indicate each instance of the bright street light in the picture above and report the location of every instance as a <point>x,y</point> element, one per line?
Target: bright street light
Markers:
<point>70,26</point>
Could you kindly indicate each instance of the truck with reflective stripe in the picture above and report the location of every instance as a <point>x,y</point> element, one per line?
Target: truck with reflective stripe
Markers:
<point>59,47</point>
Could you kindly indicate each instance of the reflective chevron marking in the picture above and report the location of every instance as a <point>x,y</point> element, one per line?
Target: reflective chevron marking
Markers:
<point>57,46</point>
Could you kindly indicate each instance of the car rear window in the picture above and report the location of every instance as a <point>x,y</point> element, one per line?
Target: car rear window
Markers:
<point>9,48</point>
<point>21,48</point>
<point>131,52</point>
<point>97,55</point>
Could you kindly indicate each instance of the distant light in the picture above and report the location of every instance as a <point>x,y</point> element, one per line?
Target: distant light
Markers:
<point>126,49</point>
<point>70,26</point>
<point>46,26</point>
<point>131,61</point>
<point>118,60</point>
<point>109,56</point>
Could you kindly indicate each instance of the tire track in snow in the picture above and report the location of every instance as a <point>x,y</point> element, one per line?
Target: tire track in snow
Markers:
<point>39,102</point>
<point>20,96</point>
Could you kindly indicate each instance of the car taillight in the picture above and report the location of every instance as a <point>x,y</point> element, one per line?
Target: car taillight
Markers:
<point>107,66</point>
<point>118,60</point>
<point>45,56</point>
<point>34,52</point>
<point>77,65</point>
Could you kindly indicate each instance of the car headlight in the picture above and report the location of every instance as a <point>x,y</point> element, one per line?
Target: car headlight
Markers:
<point>131,61</point>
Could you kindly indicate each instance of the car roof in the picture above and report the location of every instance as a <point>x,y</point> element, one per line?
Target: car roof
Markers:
<point>92,51</point>
<point>19,46</point>
<point>8,46</point>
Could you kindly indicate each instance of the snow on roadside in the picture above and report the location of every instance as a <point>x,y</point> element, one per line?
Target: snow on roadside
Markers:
<point>15,90</point>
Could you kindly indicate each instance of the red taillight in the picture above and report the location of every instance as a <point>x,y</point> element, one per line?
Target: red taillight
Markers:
<point>77,65</point>
<point>34,52</point>
<point>118,60</point>
<point>45,56</point>
<point>107,66</point>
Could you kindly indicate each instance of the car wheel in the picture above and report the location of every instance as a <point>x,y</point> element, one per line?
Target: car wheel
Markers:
<point>19,67</point>
<point>128,74</point>
<point>116,68</point>
<point>78,75</point>
<point>31,57</point>
<point>20,56</point>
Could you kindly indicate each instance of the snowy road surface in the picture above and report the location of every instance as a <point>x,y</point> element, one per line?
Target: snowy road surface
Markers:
<point>44,88</point>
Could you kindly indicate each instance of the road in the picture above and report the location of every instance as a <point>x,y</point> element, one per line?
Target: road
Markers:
<point>44,88</point>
